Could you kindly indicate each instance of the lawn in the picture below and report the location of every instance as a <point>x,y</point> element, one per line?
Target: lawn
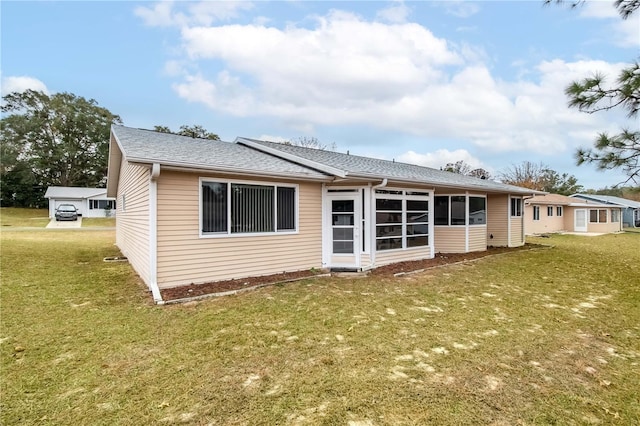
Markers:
<point>549,336</point>
<point>17,217</point>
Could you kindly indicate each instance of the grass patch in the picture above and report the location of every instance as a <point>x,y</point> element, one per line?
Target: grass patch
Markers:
<point>99,222</point>
<point>548,336</point>
<point>19,217</point>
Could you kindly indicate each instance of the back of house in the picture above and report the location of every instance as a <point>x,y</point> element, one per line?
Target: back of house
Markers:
<point>194,211</point>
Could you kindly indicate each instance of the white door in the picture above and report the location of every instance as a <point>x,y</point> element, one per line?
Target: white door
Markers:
<point>580,220</point>
<point>344,231</point>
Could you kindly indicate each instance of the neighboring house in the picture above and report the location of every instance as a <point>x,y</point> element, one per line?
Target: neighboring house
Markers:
<point>558,213</point>
<point>631,209</point>
<point>90,202</point>
<point>197,211</point>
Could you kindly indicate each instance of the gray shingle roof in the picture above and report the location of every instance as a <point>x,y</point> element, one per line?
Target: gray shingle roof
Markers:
<point>147,146</point>
<point>609,199</point>
<point>357,166</point>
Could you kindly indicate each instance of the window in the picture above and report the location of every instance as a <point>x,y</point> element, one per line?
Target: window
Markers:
<point>559,211</point>
<point>451,210</point>
<point>615,215</point>
<point>549,211</point>
<point>598,216</point>
<point>536,212</point>
<point>441,210</point>
<point>242,208</point>
<point>516,207</point>
<point>402,219</point>
<point>477,211</point>
<point>102,204</point>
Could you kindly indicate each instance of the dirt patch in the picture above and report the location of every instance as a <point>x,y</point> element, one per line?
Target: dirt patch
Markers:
<point>194,290</point>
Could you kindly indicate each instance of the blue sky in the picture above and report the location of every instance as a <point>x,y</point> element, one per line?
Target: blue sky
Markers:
<point>421,82</point>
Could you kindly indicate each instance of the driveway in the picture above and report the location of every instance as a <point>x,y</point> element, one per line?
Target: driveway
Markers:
<point>65,224</point>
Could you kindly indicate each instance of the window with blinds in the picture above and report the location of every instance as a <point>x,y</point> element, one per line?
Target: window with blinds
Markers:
<point>240,208</point>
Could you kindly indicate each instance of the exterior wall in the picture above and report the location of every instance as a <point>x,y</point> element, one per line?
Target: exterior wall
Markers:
<point>450,239</point>
<point>517,232</point>
<point>184,257</point>
<point>386,257</point>
<point>547,223</point>
<point>132,223</point>
<point>497,220</point>
<point>606,227</point>
<point>477,238</point>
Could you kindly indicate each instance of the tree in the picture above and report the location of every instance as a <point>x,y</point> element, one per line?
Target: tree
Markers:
<point>311,143</point>
<point>541,178</point>
<point>462,168</point>
<point>195,131</point>
<point>61,139</point>
<point>592,94</point>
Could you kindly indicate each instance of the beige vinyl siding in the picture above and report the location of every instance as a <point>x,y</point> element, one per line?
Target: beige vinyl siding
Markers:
<point>517,236</point>
<point>497,220</point>
<point>184,257</point>
<point>365,261</point>
<point>386,257</point>
<point>477,238</point>
<point>546,223</point>
<point>450,239</point>
<point>132,223</point>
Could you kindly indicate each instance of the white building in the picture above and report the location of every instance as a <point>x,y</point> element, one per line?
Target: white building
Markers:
<point>90,202</point>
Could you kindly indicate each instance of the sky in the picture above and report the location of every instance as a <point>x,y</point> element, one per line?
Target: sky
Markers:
<point>423,82</point>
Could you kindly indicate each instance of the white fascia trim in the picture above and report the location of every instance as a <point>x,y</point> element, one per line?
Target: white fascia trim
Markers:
<point>293,158</point>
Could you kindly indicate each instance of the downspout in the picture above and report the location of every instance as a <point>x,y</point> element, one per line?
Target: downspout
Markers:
<point>153,234</point>
<point>372,225</point>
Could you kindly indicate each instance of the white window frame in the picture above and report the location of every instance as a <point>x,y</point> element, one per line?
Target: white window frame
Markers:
<point>518,210</point>
<point>615,216</point>
<point>404,197</point>
<point>559,211</point>
<point>536,213</point>
<point>549,211</point>
<point>228,233</point>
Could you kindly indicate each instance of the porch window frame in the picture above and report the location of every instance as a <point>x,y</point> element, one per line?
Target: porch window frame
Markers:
<point>404,196</point>
<point>467,211</point>
<point>228,233</point>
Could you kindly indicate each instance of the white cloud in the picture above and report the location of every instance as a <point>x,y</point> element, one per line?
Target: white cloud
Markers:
<point>625,32</point>
<point>461,9</point>
<point>21,84</point>
<point>441,158</point>
<point>163,13</point>
<point>397,14</point>
<point>399,77</point>
<point>272,138</point>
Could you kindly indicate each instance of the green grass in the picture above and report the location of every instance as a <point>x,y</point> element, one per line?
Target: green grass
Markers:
<point>100,222</point>
<point>550,336</point>
<point>18,217</point>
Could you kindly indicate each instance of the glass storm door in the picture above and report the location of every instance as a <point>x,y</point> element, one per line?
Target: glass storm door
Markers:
<point>344,217</point>
<point>580,224</point>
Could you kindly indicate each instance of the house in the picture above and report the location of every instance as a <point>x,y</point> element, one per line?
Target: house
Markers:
<point>630,212</point>
<point>90,202</point>
<point>197,211</point>
<point>558,213</point>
